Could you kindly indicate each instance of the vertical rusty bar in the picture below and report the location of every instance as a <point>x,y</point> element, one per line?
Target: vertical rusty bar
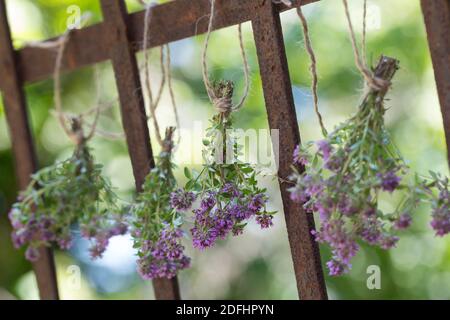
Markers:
<point>22,144</point>
<point>133,110</point>
<point>437,21</point>
<point>281,113</point>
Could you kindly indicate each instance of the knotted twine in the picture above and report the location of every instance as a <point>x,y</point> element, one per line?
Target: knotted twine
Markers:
<point>371,80</point>
<point>223,102</point>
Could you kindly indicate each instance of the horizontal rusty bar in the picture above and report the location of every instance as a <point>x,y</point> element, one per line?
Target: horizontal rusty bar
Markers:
<point>171,21</point>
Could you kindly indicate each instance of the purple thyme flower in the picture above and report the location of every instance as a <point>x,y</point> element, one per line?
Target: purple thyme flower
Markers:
<point>388,242</point>
<point>325,148</point>
<point>211,225</point>
<point>164,257</point>
<point>202,239</point>
<point>389,181</point>
<point>231,189</point>
<point>346,206</point>
<point>343,246</point>
<point>32,254</point>
<point>238,229</point>
<point>14,217</point>
<point>21,237</point>
<point>334,163</point>
<point>298,194</point>
<point>240,212</point>
<point>64,242</point>
<point>100,244</point>
<point>371,232</point>
<point>264,220</point>
<point>257,202</point>
<point>208,202</point>
<point>299,157</point>
<point>119,228</point>
<point>181,200</point>
<point>337,268</point>
<point>403,222</point>
<point>441,220</point>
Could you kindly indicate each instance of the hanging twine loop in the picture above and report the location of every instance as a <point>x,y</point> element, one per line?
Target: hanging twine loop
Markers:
<point>75,131</point>
<point>166,77</point>
<point>312,68</point>
<point>153,103</point>
<point>373,82</point>
<point>221,93</point>
<point>66,120</point>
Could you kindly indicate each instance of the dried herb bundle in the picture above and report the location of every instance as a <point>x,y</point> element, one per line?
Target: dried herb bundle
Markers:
<point>156,227</point>
<point>67,193</point>
<point>227,188</point>
<point>352,166</point>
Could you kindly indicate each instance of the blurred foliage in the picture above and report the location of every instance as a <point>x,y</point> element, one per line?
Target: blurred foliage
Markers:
<point>258,264</point>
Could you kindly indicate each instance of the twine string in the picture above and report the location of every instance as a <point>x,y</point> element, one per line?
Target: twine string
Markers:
<point>97,105</point>
<point>372,81</point>
<point>312,68</point>
<point>74,131</point>
<point>224,104</point>
<point>166,77</point>
<point>171,92</point>
<point>246,70</point>
<point>152,103</point>
<point>364,32</point>
<point>57,90</point>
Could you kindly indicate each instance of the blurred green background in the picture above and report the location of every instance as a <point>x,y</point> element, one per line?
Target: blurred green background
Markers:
<point>256,265</point>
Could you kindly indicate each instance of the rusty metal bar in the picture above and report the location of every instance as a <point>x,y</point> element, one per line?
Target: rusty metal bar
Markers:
<point>172,21</point>
<point>282,116</point>
<point>437,21</point>
<point>22,144</point>
<point>118,47</point>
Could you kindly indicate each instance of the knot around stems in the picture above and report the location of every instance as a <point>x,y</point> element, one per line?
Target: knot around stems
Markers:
<point>168,145</point>
<point>76,131</point>
<point>222,94</point>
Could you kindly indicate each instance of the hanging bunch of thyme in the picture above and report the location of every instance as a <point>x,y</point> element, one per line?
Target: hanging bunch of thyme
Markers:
<point>349,170</point>
<point>156,227</point>
<point>343,177</point>
<point>227,188</point>
<point>68,193</point>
